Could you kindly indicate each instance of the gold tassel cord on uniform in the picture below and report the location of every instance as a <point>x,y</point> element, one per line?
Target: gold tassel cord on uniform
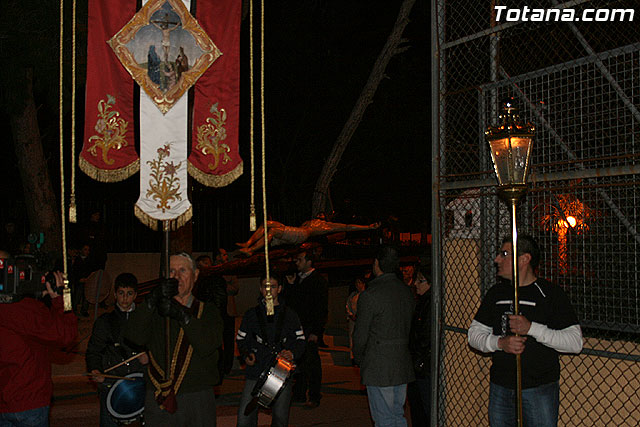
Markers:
<point>269,298</point>
<point>73,215</point>
<point>66,295</point>
<point>252,207</point>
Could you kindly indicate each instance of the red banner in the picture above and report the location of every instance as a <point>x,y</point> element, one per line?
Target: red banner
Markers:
<point>215,160</point>
<point>108,153</point>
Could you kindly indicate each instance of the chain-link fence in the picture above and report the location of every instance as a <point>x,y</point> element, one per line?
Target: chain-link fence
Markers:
<point>579,83</point>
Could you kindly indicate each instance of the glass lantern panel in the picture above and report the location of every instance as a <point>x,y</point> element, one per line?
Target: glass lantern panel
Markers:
<point>500,157</point>
<point>520,148</point>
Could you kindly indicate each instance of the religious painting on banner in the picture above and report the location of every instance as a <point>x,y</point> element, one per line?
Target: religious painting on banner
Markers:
<point>167,52</point>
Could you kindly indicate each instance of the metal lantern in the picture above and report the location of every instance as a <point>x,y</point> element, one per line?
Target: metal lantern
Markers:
<point>511,143</point>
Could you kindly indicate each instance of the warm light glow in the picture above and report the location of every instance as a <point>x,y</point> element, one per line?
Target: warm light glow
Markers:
<point>567,213</point>
<point>510,159</point>
<point>570,222</point>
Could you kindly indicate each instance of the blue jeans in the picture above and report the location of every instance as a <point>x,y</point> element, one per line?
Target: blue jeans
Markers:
<point>387,405</point>
<point>38,417</point>
<point>279,410</point>
<point>539,406</point>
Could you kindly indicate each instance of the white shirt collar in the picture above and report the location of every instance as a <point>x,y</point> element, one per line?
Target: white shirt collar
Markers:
<point>133,307</point>
<point>303,276</point>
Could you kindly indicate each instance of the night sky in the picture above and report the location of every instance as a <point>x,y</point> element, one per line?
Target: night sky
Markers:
<point>318,58</point>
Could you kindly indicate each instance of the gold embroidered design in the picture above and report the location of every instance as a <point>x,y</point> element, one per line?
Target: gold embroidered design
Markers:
<point>210,134</point>
<point>164,185</point>
<point>111,129</point>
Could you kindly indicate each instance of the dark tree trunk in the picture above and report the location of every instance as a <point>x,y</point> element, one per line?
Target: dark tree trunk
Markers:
<point>181,240</point>
<point>391,48</point>
<point>43,209</point>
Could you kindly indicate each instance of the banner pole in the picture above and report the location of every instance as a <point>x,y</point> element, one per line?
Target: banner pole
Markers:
<point>167,324</point>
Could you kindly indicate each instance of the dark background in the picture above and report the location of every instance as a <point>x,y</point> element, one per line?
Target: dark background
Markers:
<point>318,58</point>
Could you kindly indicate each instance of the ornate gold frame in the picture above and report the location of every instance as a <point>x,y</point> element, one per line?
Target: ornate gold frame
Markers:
<point>164,101</point>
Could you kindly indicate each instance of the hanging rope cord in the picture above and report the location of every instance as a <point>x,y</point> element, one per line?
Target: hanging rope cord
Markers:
<point>269,296</point>
<point>66,294</point>
<point>73,217</point>
<point>252,206</point>
<point>61,135</point>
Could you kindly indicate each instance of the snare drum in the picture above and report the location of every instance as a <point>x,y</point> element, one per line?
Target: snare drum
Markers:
<point>125,401</point>
<point>273,381</point>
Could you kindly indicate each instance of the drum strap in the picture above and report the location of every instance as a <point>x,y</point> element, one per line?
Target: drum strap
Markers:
<point>262,323</point>
<point>166,391</point>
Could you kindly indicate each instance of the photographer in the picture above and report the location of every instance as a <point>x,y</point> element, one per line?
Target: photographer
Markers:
<point>29,330</point>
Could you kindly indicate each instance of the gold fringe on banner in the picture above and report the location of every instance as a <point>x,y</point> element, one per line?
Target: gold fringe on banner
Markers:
<point>152,223</point>
<point>113,175</point>
<point>215,180</point>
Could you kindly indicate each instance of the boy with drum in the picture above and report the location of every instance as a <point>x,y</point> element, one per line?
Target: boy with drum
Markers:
<point>267,342</point>
<point>106,347</point>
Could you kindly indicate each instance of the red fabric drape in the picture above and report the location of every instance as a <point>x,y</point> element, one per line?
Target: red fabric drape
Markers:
<point>215,160</point>
<point>108,153</point>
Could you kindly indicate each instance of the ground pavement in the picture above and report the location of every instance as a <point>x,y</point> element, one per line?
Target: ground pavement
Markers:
<point>344,402</point>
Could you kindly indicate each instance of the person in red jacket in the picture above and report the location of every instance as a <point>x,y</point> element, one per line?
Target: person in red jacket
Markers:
<point>29,329</point>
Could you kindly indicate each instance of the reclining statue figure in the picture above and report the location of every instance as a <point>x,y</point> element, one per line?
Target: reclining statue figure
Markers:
<point>280,234</point>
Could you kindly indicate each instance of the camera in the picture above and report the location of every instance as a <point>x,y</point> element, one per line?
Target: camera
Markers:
<point>22,276</point>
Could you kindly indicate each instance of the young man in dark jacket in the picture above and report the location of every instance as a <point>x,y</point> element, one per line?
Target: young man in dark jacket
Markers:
<point>308,295</point>
<point>260,338</point>
<point>106,346</point>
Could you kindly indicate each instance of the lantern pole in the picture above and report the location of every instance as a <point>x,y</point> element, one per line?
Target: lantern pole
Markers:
<point>513,199</point>
<point>511,143</point>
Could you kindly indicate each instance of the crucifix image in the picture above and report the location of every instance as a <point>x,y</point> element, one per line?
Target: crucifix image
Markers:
<point>166,26</point>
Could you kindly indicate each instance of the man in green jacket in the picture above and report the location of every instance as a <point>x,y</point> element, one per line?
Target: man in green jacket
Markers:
<point>381,340</point>
<point>184,396</point>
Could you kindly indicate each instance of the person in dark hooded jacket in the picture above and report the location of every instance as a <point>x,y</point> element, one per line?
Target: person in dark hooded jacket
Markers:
<point>260,339</point>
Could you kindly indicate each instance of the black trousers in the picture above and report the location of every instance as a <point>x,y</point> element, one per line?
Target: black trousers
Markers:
<point>195,409</point>
<point>228,341</point>
<point>309,376</point>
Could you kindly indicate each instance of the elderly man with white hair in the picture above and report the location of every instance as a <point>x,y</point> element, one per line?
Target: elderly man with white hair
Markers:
<point>184,396</point>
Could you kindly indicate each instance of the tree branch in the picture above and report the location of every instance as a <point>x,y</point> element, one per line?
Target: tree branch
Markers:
<point>390,49</point>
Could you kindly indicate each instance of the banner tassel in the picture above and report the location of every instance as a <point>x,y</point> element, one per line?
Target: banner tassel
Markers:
<point>73,214</point>
<point>252,217</point>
